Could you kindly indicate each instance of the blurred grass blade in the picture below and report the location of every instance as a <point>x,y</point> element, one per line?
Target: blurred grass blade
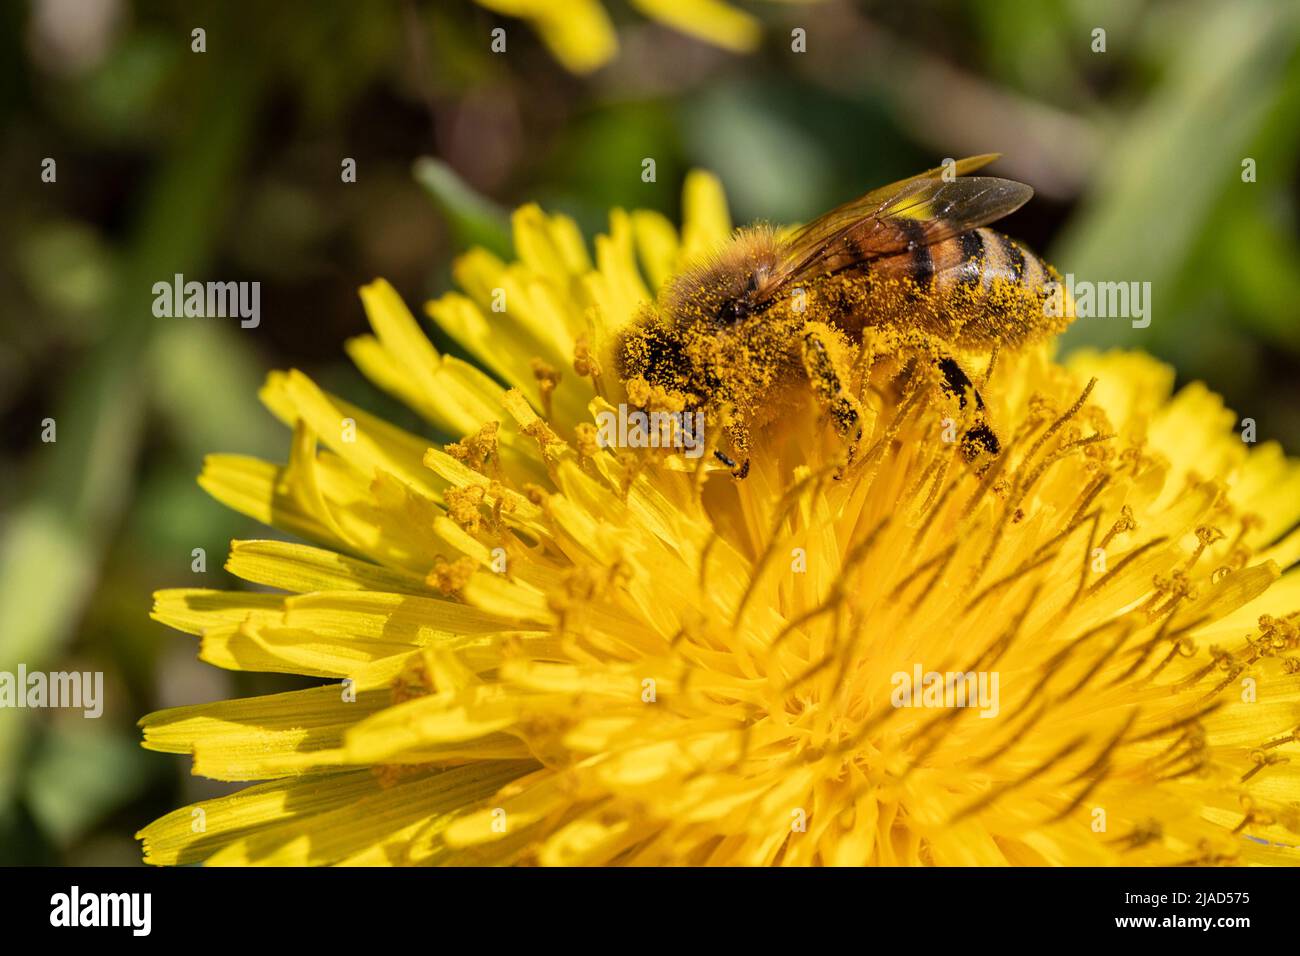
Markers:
<point>1173,161</point>
<point>53,542</point>
<point>474,220</point>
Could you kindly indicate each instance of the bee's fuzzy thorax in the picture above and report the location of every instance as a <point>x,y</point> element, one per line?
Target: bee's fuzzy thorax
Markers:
<point>736,268</point>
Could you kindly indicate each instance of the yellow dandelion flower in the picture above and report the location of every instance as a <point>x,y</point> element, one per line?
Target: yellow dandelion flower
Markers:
<point>535,649</point>
<point>580,35</point>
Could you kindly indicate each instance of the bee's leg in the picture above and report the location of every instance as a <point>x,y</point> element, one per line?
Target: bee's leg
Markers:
<point>980,438</point>
<point>737,471</point>
<point>827,381</point>
<point>739,435</point>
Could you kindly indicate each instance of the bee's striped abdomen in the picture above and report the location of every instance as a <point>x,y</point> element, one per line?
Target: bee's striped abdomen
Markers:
<point>972,289</point>
<point>982,256</point>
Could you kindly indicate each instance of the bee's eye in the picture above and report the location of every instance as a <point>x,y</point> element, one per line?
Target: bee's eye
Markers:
<point>732,311</point>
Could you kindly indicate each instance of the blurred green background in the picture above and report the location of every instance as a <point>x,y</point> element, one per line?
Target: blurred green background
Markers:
<point>226,165</point>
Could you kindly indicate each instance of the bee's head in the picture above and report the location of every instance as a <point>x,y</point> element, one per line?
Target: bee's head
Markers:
<point>725,289</point>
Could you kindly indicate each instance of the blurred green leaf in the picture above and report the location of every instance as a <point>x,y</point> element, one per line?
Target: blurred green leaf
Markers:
<point>70,272</point>
<point>81,772</point>
<point>1261,264</point>
<point>119,100</point>
<point>205,377</point>
<point>771,167</point>
<point>46,573</point>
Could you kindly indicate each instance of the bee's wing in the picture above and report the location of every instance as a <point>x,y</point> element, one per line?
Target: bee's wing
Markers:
<point>913,212</point>
<point>853,210</point>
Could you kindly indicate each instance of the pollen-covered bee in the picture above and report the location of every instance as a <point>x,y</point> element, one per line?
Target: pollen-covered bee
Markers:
<point>767,311</point>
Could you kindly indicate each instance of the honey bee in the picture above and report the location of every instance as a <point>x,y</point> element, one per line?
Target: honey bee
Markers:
<point>911,260</point>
